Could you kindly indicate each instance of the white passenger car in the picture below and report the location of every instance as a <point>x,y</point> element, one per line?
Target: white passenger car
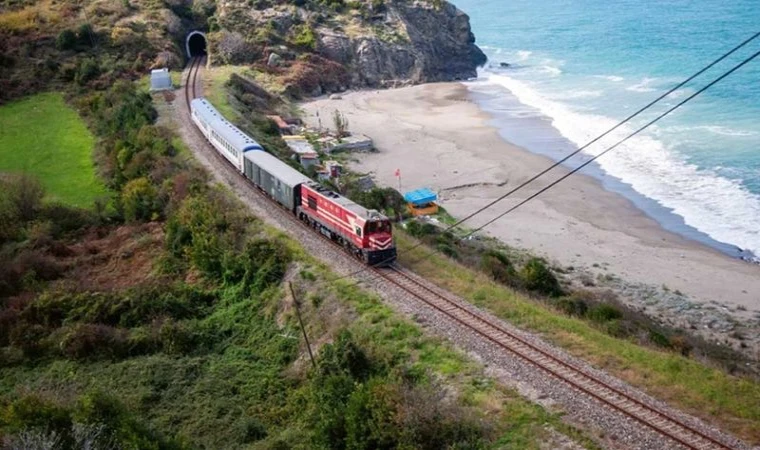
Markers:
<point>229,141</point>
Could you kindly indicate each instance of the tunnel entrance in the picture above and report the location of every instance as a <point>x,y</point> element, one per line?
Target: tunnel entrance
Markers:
<point>195,44</point>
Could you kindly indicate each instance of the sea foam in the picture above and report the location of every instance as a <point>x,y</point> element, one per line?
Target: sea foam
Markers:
<point>715,205</point>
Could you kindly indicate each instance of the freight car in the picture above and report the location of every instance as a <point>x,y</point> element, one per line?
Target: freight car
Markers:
<point>367,234</point>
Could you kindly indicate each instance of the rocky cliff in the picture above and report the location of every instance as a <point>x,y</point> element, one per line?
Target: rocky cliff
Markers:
<point>370,43</point>
<point>432,44</point>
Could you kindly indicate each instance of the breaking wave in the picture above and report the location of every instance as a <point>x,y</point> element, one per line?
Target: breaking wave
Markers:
<point>715,205</point>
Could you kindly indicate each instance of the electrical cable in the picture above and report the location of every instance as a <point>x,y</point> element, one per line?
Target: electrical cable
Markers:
<point>670,91</point>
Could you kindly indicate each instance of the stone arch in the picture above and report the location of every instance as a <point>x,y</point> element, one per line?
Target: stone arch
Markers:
<point>196,43</point>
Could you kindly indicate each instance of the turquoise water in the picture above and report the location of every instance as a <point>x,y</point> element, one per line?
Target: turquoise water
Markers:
<point>577,67</point>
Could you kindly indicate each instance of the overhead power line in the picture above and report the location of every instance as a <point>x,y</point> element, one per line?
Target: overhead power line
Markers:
<point>608,149</point>
<point>618,125</point>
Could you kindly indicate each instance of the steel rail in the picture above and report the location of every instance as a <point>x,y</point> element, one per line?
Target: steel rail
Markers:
<point>579,379</point>
<point>192,74</point>
<point>477,323</point>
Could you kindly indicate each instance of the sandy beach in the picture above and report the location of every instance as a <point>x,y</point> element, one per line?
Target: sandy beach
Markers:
<point>440,139</point>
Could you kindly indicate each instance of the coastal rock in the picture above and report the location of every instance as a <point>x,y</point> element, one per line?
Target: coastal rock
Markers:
<point>392,44</point>
<point>422,43</point>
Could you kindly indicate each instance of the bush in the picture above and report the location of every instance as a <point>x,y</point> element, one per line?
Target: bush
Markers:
<point>88,341</point>
<point>88,70</point>
<point>573,306</point>
<point>496,265</point>
<point>66,219</point>
<point>86,35</point>
<point>419,230</point>
<point>66,40</point>
<point>131,308</point>
<point>96,421</point>
<point>20,199</point>
<point>604,313</point>
<point>538,278</point>
<point>261,264</point>
<point>139,199</point>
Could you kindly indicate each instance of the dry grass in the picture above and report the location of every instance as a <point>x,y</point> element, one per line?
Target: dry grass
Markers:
<point>29,18</point>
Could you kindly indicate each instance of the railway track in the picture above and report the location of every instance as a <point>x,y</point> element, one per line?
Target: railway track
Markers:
<point>581,380</point>
<point>590,385</point>
<point>192,77</point>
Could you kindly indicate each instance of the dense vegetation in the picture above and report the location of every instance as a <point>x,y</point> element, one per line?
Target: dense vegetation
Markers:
<point>202,352</point>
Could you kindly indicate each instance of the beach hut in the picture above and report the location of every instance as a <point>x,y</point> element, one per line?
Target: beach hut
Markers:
<point>307,156</point>
<point>160,80</point>
<point>421,202</point>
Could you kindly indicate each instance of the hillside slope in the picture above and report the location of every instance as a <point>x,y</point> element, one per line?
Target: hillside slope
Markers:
<point>314,46</point>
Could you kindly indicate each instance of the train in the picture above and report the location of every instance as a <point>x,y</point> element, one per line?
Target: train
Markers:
<point>365,233</point>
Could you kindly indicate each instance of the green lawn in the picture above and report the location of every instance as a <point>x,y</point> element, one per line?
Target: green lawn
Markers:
<point>43,136</point>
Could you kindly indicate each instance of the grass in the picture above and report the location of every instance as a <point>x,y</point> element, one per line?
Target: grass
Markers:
<point>43,136</point>
<point>521,423</point>
<point>729,401</point>
<point>28,18</point>
<point>214,80</point>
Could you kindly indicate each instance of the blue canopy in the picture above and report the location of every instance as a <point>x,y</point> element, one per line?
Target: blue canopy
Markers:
<point>420,196</point>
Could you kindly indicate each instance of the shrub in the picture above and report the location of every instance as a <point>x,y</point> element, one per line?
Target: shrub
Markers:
<point>86,35</point>
<point>87,71</point>
<point>29,338</point>
<point>537,277</point>
<point>21,198</point>
<point>261,264</point>
<point>573,306</point>
<point>139,200</point>
<point>304,37</point>
<point>604,313</point>
<point>66,40</point>
<point>96,421</point>
<point>89,341</point>
<point>176,338</point>
<point>420,230</point>
<point>496,265</point>
<point>66,219</point>
<point>232,48</point>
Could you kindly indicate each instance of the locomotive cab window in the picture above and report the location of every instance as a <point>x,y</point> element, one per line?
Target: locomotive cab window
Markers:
<point>358,231</point>
<point>379,227</point>
<point>312,202</point>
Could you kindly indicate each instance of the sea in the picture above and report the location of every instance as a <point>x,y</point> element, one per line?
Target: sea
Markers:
<point>574,68</point>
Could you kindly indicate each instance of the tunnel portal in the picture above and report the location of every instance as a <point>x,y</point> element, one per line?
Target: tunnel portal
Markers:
<point>195,44</point>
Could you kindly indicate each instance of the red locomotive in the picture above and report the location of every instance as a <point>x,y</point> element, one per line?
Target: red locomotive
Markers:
<point>366,233</point>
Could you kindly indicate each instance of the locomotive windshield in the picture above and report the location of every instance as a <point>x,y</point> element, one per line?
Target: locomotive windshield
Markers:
<point>379,227</point>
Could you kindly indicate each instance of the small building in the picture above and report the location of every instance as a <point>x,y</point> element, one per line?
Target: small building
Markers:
<point>305,152</point>
<point>421,202</point>
<point>160,80</point>
<point>353,143</point>
<point>334,168</point>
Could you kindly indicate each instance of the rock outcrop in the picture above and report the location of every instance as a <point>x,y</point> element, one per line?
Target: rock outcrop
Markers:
<point>430,44</point>
<point>379,44</point>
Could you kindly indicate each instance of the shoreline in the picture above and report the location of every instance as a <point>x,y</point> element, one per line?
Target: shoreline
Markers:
<point>441,139</point>
<point>545,140</point>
